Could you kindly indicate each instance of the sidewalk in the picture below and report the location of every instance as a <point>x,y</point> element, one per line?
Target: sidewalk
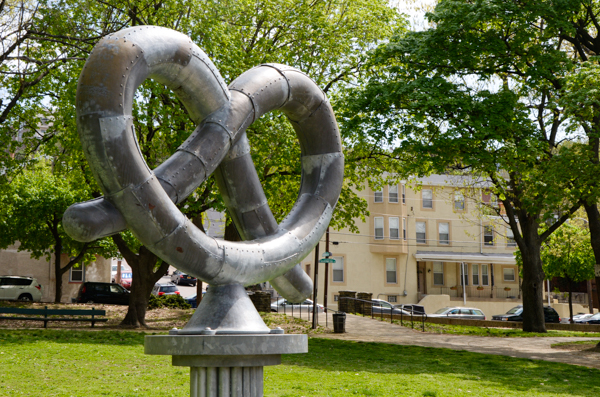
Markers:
<point>366,329</point>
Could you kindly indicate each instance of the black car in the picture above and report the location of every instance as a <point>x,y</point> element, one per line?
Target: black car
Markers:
<point>516,314</point>
<point>112,293</point>
<point>180,278</point>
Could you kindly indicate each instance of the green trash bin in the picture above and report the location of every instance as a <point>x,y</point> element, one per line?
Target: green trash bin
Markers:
<point>339,323</point>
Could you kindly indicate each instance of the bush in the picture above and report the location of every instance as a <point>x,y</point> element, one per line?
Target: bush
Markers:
<point>167,301</point>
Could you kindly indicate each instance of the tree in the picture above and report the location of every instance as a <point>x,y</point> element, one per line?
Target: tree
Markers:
<point>568,253</point>
<point>479,93</point>
<point>31,211</point>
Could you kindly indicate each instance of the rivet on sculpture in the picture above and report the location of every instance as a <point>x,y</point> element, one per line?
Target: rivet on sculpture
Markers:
<point>226,340</point>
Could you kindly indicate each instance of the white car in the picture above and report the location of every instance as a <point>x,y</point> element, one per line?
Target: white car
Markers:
<point>16,288</point>
<point>469,313</point>
<point>283,306</point>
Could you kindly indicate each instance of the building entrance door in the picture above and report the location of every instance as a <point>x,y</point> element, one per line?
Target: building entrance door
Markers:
<point>422,285</point>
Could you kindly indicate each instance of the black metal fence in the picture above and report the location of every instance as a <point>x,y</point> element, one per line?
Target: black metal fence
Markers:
<point>365,307</point>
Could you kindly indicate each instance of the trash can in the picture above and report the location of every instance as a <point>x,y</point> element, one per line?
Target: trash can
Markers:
<point>339,323</point>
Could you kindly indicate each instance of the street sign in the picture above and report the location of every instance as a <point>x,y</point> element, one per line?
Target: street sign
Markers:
<point>327,260</point>
<point>326,254</point>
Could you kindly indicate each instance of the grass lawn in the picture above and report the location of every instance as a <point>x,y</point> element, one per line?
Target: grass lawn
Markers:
<point>112,363</point>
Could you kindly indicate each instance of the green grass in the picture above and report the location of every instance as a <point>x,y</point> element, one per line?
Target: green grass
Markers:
<point>112,363</point>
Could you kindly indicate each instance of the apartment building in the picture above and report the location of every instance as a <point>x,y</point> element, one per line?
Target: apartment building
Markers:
<point>419,239</point>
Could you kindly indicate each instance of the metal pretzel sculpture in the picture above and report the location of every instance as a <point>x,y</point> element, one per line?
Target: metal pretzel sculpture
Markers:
<point>144,201</point>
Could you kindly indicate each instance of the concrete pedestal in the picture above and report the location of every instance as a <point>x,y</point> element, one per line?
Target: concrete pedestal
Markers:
<point>226,365</point>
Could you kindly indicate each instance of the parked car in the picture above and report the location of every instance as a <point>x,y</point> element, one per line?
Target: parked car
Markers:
<point>96,292</point>
<point>161,289</point>
<point>126,279</point>
<point>113,272</point>
<point>469,313</point>
<point>595,319</point>
<point>192,299</point>
<point>516,314</point>
<point>283,306</point>
<point>415,309</point>
<point>576,317</point>
<point>384,307</point>
<point>18,288</point>
<point>180,278</point>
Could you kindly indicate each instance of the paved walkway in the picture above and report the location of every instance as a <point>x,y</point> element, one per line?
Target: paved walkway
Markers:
<point>537,348</point>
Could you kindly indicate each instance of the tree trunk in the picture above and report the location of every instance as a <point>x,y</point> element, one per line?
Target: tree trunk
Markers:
<point>533,279</point>
<point>144,277</point>
<point>57,272</point>
<point>594,224</point>
<point>570,300</point>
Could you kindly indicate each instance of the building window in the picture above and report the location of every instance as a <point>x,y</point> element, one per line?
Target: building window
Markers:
<point>378,228</point>
<point>390,271</point>
<point>427,195</point>
<point>488,235</point>
<point>509,274</point>
<point>438,273</point>
<point>338,270</point>
<point>403,194</point>
<point>459,201</point>
<point>394,228</point>
<point>308,269</point>
<point>379,196</point>
<point>404,228</point>
<point>393,193</point>
<point>484,275</point>
<point>393,298</point>
<point>336,298</point>
<point>475,274</point>
<point>421,230</point>
<point>77,273</point>
<point>444,233</point>
<point>510,238</point>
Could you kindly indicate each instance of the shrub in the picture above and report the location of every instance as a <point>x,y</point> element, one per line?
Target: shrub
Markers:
<point>167,301</point>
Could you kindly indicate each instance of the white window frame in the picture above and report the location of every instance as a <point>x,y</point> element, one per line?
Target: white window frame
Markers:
<point>427,202</point>
<point>510,238</point>
<point>393,298</point>
<point>335,267</point>
<point>424,239</point>
<point>378,196</point>
<point>446,240</point>
<point>514,274</point>
<point>404,232</point>
<point>376,220</point>
<point>488,235</point>
<point>485,274</point>
<point>391,263</point>
<point>475,274</point>
<point>393,190</point>
<point>459,201</point>
<point>403,194</point>
<point>394,226</point>
<point>78,270</point>
<point>439,265</point>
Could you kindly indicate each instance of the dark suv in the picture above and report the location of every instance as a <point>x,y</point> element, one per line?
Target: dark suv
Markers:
<point>112,293</point>
<point>516,314</point>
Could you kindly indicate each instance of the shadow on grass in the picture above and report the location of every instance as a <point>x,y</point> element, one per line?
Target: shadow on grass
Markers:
<point>516,374</point>
<point>102,337</point>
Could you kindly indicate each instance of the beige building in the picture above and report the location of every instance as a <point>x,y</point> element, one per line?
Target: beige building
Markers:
<point>414,242</point>
<point>20,263</point>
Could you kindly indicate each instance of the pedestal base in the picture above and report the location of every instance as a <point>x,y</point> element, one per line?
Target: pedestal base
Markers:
<point>226,365</point>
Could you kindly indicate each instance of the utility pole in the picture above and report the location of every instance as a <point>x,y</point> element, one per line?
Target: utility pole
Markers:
<point>326,271</point>
<point>315,284</point>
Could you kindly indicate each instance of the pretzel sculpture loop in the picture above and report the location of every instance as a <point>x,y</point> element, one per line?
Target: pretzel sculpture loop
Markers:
<point>144,200</point>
